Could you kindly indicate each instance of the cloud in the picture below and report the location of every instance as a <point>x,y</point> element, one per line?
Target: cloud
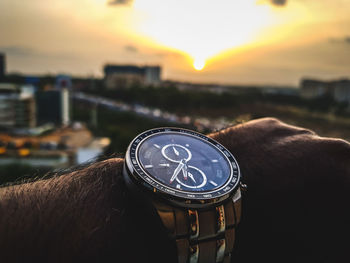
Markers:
<point>17,50</point>
<point>120,2</point>
<point>131,48</point>
<point>279,2</point>
<point>23,51</point>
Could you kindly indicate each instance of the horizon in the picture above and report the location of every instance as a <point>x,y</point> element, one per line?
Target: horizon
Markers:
<point>195,83</point>
<point>233,85</point>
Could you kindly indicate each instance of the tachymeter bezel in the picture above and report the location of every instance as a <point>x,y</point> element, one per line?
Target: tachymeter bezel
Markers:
<point>140,175</point>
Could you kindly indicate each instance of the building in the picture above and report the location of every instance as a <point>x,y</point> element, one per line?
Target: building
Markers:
<point>52,106</point>
<point>2,66</point>
<point>55,143</point>
<point>339,90</point>
<point>342,90</point>
<point>17,106</point>
<point>123,76</point>
<point>152,75</point>
<point>311,89</point>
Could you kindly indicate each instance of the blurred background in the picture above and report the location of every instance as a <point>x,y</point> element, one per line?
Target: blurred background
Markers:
<point>79,79</point>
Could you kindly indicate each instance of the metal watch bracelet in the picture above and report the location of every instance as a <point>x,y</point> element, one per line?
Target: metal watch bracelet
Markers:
<point>203,236</point>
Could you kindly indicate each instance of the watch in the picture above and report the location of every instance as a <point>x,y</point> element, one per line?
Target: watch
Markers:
<point>193,183</point>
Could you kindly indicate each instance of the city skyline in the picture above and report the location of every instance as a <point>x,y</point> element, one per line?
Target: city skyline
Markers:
<point>241,42</point>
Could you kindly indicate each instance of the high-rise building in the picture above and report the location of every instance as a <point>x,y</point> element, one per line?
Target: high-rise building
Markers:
<point>152,75</point>
<point>2,65</point>
<point>17,107</point>
<point>120,76</point>
<point>53,106</point>
<point>339,90</point>
<point>342,90</point>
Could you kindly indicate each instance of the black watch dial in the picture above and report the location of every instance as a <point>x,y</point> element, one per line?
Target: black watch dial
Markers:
<point>183,163</point>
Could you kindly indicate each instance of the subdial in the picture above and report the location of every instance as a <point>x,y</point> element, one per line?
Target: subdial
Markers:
<point>197,178</point>
<point>176,152</point>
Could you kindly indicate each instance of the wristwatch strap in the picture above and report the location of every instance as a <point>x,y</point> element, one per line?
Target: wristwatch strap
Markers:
<point>203,236</point>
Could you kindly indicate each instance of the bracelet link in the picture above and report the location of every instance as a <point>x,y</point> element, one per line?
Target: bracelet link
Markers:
<point>194,224</point>
<point>220,219</point>
<point>220,250</point>
<point>194,253</point>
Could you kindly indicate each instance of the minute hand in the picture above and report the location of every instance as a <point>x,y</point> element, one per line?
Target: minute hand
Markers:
<point>177,170</point>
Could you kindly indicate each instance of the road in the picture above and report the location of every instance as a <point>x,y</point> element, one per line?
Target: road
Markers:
<point>200,123</point>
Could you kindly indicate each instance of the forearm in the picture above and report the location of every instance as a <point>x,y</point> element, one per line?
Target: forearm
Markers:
<point>297,184</point>
<point>73,216</point>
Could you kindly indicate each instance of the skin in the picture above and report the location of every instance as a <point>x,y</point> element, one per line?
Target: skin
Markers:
<point>295,209</point>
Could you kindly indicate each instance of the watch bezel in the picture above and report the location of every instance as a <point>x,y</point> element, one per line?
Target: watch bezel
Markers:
<point>183,198</point>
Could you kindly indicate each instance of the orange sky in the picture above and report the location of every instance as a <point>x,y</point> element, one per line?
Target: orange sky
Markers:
<point>236,42</point>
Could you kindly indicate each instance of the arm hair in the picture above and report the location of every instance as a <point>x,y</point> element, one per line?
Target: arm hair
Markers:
<point>73,217</point>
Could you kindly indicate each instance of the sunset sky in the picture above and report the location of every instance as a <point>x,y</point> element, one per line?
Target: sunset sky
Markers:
<point>224,41</point>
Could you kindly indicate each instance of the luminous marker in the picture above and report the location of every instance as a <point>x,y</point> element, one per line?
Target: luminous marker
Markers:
<point>149,166</point>
<point>164,164</point>
<point>214,161</point>
<point>178,186</point>
<point>187,145</point>
<point>213,183</point>
<point>156,145</point>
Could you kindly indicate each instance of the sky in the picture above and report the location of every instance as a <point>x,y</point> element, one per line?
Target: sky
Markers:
<point>249,42</point>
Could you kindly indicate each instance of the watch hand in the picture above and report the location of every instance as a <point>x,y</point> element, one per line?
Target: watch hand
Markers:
<point>176,171</point>
<point>184,172</point>
<point>175,151</point>
<point>191,176</point>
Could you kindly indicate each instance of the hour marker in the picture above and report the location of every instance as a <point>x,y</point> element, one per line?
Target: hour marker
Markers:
<point>187,145</point>
<point>214,161</point>
<point>156,145</point>
<point>164,164</point>
<point>149,166</point>
<point>178,186</point>
<point>213,183</point>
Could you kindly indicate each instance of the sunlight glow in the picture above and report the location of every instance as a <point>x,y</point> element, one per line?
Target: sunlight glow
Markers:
<point>198,64</point>
<point>202,28</point>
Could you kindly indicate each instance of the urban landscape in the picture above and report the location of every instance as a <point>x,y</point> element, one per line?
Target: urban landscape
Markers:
<point>41,127</point>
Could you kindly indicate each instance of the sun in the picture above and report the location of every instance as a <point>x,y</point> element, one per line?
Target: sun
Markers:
<point>201,28</point>
<point>199,64</point>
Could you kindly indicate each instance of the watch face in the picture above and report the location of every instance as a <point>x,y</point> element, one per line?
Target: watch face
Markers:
<point>183,163</point>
